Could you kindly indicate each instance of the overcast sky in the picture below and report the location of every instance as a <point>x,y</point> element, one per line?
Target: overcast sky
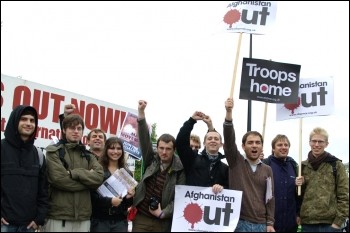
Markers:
<point>176,56</point>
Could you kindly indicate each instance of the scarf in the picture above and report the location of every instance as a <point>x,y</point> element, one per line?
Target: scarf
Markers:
<point>317,161</point>
<point>213,158</point>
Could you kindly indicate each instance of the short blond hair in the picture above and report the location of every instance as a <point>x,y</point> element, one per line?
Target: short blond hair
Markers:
<point>320,131</point>
<point>196,139</point>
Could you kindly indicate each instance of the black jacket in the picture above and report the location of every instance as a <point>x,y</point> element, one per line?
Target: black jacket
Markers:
<point>24,186</point>
<point>102,208</point>
<point>287,202</point>
<point>197,166</point>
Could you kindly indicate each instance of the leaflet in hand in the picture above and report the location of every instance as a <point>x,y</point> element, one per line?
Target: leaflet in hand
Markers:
<point>268,195</point>
<point>117,184</point>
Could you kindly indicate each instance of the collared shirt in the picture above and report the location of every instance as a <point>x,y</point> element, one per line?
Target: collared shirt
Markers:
<point>252,165</point>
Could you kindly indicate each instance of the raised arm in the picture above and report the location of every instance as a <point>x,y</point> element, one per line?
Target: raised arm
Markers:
<point>230,147</point>
<point>184,149</point>
<point>143,133</point>
<point>207,120</point>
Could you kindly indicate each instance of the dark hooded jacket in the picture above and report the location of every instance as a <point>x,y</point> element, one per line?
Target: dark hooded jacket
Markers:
<point>24,186</point>
<point>199,169</point>
<point>287,202</point>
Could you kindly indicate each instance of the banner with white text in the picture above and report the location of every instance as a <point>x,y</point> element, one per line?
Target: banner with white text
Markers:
<point>50,101</point>
<point>268,81</point>
<point>316,98</point>
<point>199,209</point>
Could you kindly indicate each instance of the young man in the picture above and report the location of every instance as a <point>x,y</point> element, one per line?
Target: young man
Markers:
<point>285,171</point>
<point>250,175</point>
<point>24,187</point>
<point>154,197</point>
<point>325,191</point>
<point>205,169</point>
<point>72,172</point>
<point>195,142</point>
<point>96,139</point>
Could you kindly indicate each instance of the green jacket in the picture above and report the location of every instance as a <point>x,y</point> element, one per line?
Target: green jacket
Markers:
<point>69,192</point>
<point>325,198</point>
<point>176,175</point>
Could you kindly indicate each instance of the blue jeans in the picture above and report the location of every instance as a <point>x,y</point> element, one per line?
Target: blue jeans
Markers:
<point>14,228</point>
<point>100,225</point>
<point>245,226</point>
<point>319,228</point>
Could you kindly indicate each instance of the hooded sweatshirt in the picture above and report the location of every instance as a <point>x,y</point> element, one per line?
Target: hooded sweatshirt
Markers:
<point>24,186</point>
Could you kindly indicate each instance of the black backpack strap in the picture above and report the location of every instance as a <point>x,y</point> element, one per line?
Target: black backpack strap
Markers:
<point>61,153</point>
<point>86,154</point>
<point>334,168</point>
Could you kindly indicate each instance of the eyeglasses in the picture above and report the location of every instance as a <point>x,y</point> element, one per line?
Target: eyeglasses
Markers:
<point>73,128</point>
<point>320,142</point>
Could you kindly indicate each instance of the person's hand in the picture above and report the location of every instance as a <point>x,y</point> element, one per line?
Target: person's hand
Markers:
<point>299,181</point>
<point>141,108</point>
<point>217,188</point>
<point>3,221</point>
<point>197,115</point>
<point>229,107</point>
<point>131,193</point>
<point>270,229</point>
<point>33,225</point>
<point>335,226</point>
<point>116,201</point>
<point>68,109</point>
<point>142,105</point>
<point>229,104</point>
<point>158,212</point>
<point>209,122</point>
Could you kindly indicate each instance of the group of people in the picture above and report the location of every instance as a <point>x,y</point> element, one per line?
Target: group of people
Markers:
<point>60,194</point>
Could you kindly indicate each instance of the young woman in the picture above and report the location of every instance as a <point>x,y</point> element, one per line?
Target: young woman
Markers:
<point>110,214</point>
